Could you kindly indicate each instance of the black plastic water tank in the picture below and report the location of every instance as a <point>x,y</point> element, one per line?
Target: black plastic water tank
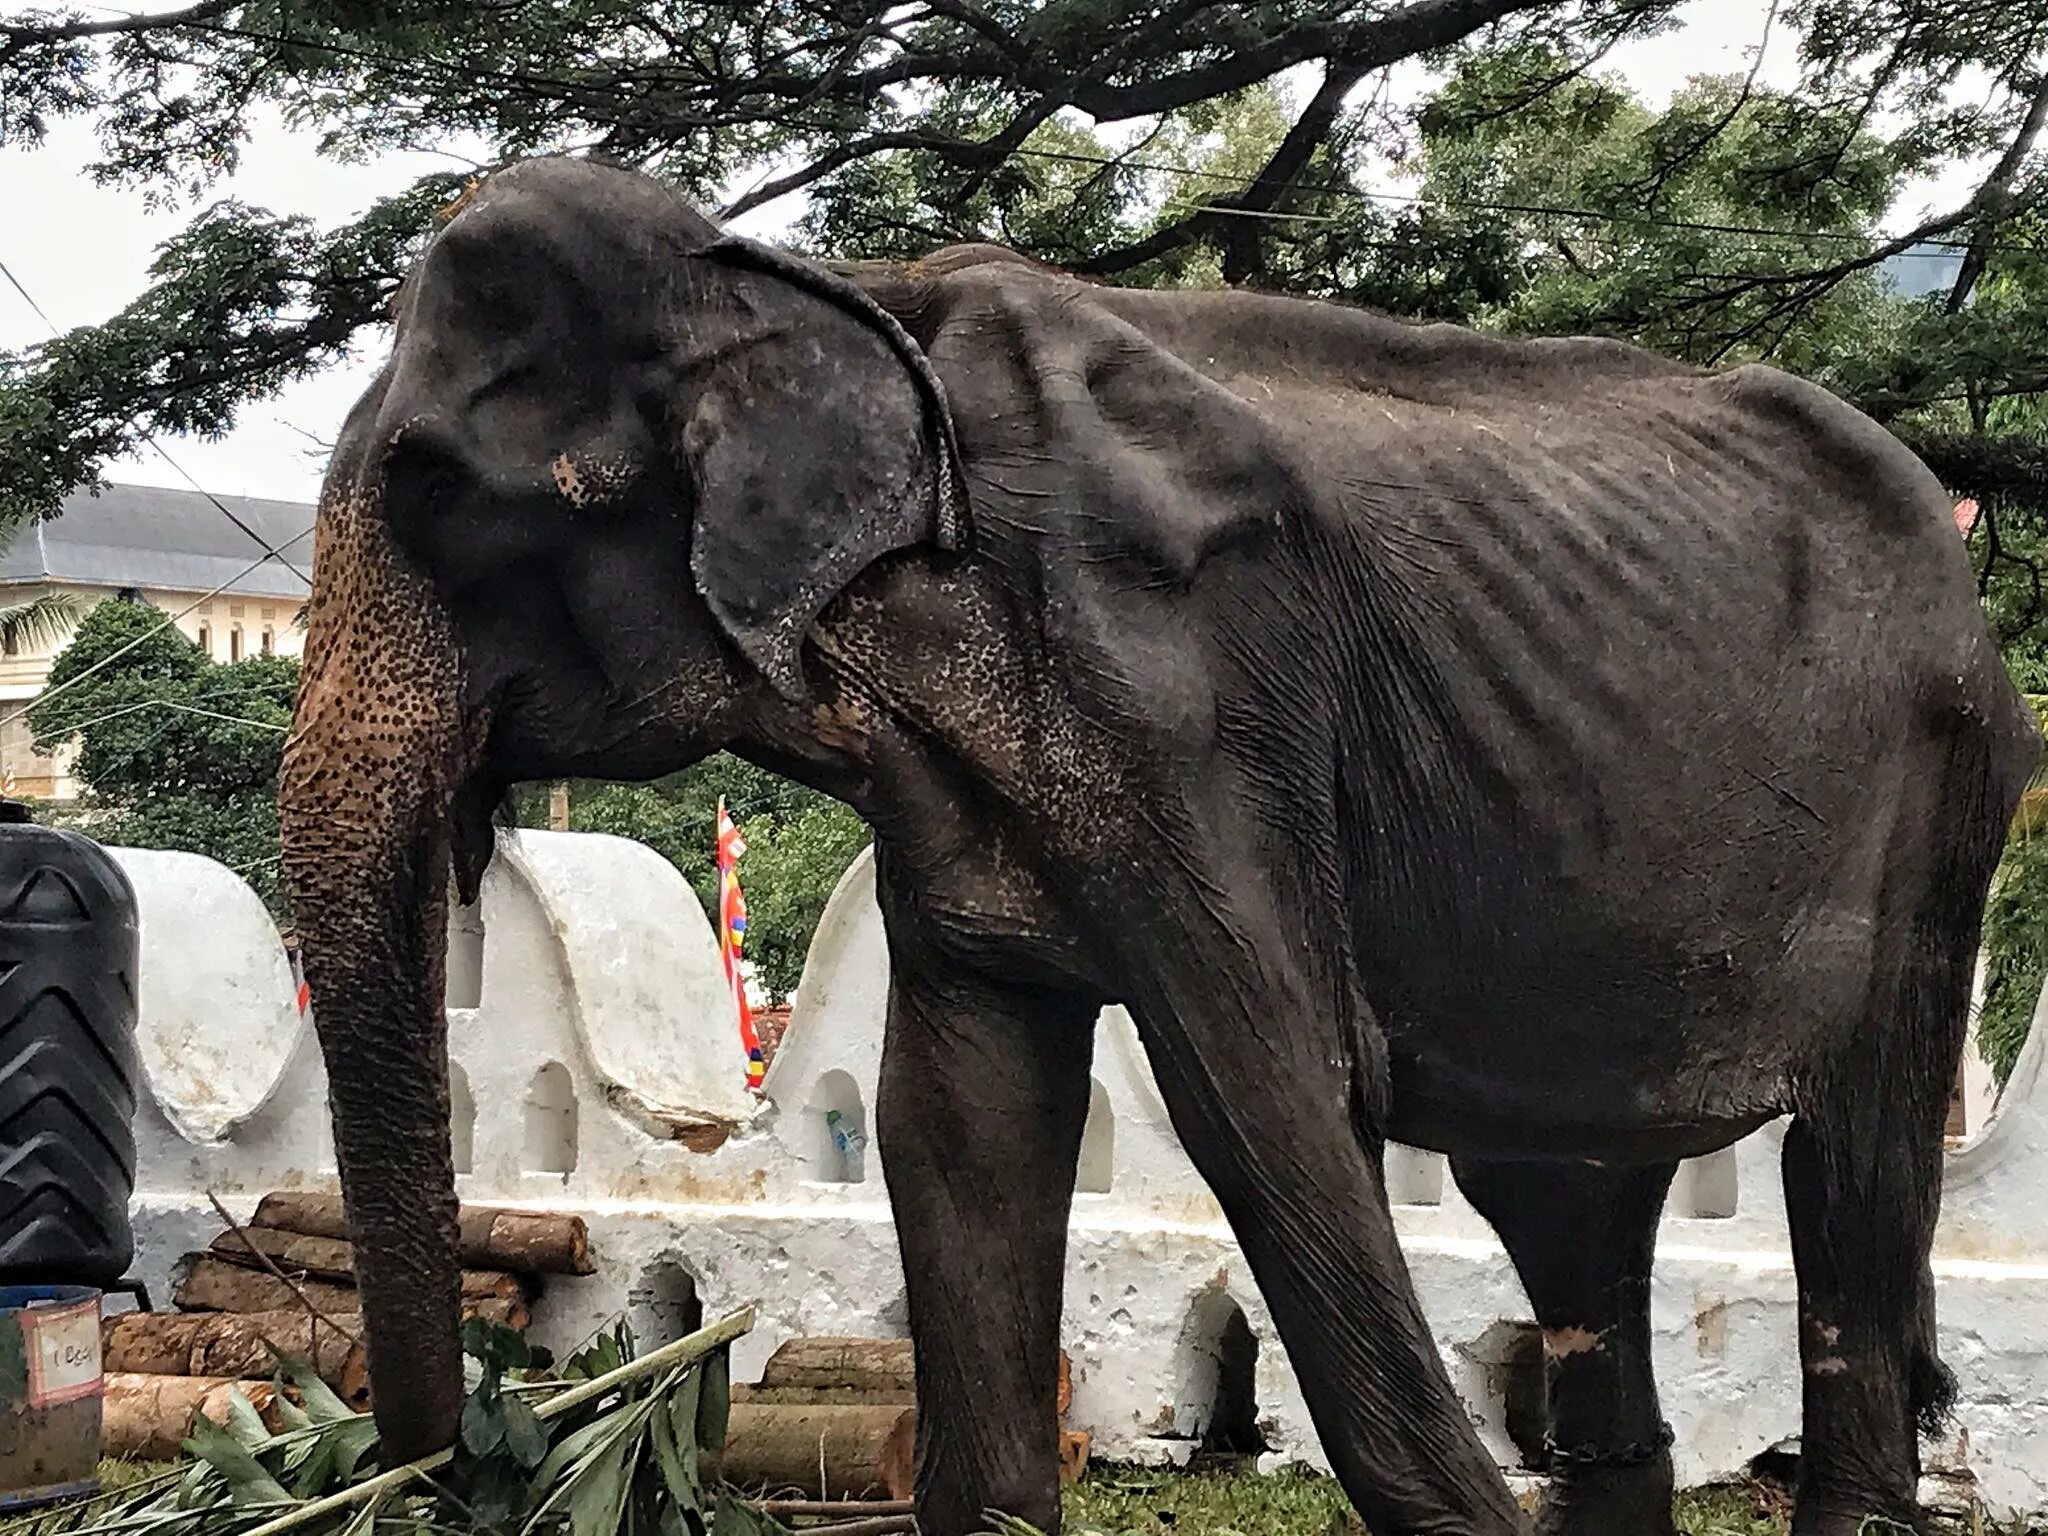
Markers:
<point>68,1064</point>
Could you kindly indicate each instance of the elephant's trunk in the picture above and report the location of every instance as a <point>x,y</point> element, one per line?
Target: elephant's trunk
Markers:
<point>378,749</point>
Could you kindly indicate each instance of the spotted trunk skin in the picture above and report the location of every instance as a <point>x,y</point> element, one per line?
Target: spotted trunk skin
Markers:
<point>369,772</point>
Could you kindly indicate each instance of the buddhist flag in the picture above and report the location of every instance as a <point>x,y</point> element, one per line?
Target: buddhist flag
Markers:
<point>732,933</point>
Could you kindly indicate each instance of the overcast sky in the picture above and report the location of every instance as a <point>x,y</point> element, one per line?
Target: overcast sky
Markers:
<point>86,250</point>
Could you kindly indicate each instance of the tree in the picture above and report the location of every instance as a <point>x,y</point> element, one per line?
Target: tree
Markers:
<point>1052,125</point>
<point>175,751</point>
<point>799,843</point>
<point>1151,141</point>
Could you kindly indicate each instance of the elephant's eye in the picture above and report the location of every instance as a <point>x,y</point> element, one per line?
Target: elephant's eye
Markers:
<point>423,474</point>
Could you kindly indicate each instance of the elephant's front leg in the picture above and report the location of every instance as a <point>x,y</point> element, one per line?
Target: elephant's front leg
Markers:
<point>1275,1077</point>
<point>982,1100</point>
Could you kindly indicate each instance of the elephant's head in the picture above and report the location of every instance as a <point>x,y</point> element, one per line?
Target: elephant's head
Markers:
<point>615,468</point>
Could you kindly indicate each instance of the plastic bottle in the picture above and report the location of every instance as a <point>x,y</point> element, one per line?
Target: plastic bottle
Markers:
<point>849,1141</point>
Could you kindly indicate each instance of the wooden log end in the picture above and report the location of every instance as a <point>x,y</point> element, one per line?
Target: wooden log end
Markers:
<point>1073,1455</point>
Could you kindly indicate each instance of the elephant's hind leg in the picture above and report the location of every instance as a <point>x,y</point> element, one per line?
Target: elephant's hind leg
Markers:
<point>1582,1239</point>
<point>1863,1162</point>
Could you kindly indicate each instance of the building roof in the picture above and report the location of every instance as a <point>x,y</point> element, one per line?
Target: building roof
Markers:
<point>144,536</point>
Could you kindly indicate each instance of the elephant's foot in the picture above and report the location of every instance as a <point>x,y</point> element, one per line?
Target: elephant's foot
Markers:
<point>1608,1501</point>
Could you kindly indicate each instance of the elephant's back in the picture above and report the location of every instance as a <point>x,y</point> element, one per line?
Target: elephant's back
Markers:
<point>1695,672</point>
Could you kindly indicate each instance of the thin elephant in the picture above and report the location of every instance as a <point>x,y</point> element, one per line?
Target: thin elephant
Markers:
<point>1538,751</point>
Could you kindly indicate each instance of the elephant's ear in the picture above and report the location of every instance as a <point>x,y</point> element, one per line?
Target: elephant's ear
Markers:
<point>819,442</point>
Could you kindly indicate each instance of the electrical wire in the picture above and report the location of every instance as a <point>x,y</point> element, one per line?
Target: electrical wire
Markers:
<point>76,727</point>
<point>154,630</point>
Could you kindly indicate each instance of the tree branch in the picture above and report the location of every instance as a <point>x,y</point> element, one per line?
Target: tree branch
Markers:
<point>1356,49</point>
<point>20,38</point>
<point>1653,183</point>
<point>826,164</point>
<point>1367,43</point>
<point>1994,198</point>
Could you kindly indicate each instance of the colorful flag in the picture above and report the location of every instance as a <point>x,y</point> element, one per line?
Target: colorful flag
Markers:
<point>732,932</point>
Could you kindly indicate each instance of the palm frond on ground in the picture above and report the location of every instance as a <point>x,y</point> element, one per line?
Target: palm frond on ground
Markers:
<point>607,1444</point>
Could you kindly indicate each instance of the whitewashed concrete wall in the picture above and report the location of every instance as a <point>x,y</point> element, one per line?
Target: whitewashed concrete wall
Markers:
<point>598,1070</point>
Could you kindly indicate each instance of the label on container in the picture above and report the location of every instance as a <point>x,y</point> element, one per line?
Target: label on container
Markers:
<point>63,1349</point>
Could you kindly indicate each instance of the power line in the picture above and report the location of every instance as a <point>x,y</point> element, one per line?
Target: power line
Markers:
<point>178,706</point>
<point>151,439</point>
<point>1588,215</point>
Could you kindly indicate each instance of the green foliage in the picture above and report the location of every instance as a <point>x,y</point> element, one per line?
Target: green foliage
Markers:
<point>176,751</point>
<point>1641,225</point>
<point>38,622</point>
<point>241,303</point>
<point>1126,1502</point>
<point>2016,939</point>
<point>799,843</point>
<point>529,1459</point>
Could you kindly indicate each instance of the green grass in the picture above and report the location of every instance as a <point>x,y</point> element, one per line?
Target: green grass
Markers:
<point>1127,1502</point>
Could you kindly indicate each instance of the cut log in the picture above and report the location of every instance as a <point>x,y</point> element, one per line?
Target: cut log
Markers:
<point>863,1450</point>
<point>881,1366</point>
<point>1073,1455</point>
<point>331,1259</point>
<point>525,1242</point>
<point>144,1418</point>
<point>863,1364</point>
<point>824,1397</point>
<point>215,1285</point>
<point>150,1343</point>
<point>324,1258</point>
<point>237,1344</point>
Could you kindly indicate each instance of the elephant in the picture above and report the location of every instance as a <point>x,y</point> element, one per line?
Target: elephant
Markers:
<point>1536,750</point>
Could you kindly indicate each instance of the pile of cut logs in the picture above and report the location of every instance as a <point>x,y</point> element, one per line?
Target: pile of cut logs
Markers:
<point>286,1282</point>
<point>828,1431</point>
<point>835,1420</point>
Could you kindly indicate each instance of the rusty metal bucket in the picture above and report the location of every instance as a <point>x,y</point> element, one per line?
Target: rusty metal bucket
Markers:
<point>50,1393</point>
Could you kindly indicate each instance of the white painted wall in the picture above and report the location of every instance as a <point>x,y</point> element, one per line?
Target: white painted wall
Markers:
<point>588,975</point>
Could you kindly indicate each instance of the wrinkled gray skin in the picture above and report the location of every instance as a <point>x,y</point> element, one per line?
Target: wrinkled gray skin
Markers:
<point>1536,751</point>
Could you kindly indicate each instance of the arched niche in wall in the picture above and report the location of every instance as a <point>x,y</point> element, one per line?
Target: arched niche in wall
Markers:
<point>1096,1170</point>
<point>1707,1188</point>
<point>825,1160</point>
<point>461,1119</point>
<point>551,1129</point>
<point>1216,1367</point>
